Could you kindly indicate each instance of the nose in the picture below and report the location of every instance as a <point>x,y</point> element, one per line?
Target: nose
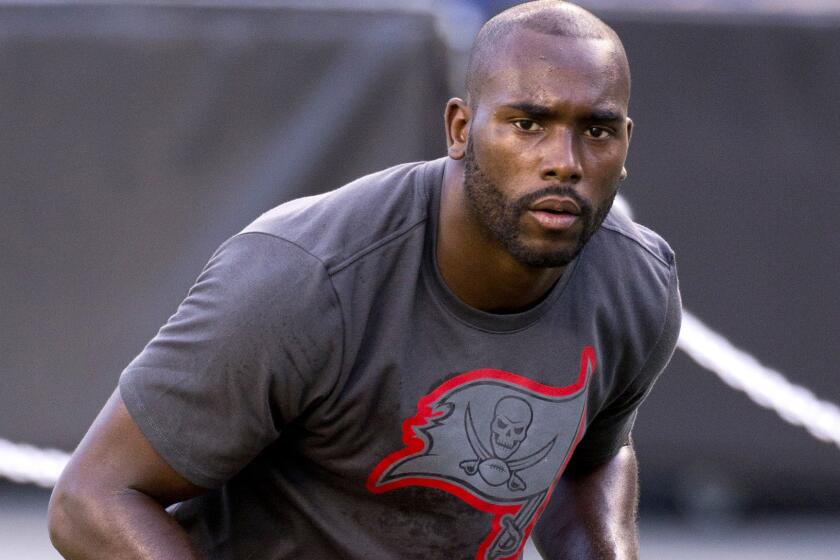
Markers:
<point>561,159</point>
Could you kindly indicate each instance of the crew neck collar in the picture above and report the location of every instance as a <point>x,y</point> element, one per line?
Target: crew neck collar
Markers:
<point>446,298</point>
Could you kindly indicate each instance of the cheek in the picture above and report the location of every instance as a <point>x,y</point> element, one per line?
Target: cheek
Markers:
<point>605,158</point>
<point>604,167</point>
<point>504,154</point>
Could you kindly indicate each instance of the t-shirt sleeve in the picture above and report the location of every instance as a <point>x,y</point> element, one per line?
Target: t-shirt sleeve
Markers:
<point>257,339</point>
<point>611,427</point>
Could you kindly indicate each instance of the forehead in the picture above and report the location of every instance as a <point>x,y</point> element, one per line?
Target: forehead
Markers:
<point>552,70</point>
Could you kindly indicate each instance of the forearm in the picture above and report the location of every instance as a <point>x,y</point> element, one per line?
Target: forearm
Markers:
<point>125,524</point>
<point>592,516</point>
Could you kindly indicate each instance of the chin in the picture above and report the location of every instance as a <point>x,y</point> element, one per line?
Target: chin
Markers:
<point>544,258</point>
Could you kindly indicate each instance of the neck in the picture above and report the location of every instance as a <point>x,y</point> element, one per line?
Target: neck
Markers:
<point>475,265</point>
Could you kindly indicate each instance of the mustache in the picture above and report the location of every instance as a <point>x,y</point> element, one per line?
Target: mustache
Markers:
<point>522,203</point>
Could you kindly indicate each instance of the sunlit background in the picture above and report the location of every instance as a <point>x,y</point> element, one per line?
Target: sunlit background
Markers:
<point>137,136</point>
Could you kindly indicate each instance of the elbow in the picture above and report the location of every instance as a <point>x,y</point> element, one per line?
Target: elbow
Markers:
<point>58,518</point>
<point>69,516</point>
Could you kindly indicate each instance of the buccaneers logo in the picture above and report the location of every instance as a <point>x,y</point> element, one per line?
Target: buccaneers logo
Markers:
<point>496,440</point>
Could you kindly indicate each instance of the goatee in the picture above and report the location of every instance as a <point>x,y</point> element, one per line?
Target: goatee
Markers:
<point>502,217</point>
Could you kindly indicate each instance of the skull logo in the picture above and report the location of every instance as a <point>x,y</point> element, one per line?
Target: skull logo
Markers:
<point>511,419</point>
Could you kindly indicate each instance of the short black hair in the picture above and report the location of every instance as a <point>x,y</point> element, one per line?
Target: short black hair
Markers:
<point>549,17</point>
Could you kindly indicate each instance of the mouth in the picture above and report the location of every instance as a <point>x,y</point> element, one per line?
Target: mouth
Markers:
<point>506,444</point>
<point>555,213</point>
<point>556,205</point>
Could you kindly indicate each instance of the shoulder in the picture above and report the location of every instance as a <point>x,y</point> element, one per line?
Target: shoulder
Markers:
<point>631,256</point>
<point>639,240</point>
<point>632,270</point>
<point>254,278</point>
<point>337,226</point>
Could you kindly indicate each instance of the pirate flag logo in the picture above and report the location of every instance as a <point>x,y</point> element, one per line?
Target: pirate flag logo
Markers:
<point>496,440</point>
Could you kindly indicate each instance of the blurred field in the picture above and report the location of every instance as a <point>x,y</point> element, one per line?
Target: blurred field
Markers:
<point>23,534</point>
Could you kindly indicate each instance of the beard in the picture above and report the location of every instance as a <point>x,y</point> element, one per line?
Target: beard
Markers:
<point>502,216</point>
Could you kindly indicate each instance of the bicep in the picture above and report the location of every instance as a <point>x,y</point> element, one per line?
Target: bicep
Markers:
<point>115,456</point>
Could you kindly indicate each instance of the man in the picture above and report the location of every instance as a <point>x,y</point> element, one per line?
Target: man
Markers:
<point>405,367</point>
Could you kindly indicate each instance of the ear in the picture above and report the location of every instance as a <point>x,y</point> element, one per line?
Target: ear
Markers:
<point>629,137</point>
<point>457,121</point>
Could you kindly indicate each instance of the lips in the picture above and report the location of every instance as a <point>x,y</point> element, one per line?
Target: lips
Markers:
<point>555,213</point>
<point>556,205</point>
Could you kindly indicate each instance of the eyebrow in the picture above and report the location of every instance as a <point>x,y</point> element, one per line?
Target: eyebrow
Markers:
<point>544,112</point>
<point>604,116</point>
<point>532,109</point>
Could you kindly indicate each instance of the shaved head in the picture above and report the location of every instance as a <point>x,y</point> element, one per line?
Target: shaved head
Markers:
<point>547,17</point>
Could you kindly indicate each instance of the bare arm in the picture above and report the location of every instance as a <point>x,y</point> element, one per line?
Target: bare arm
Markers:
<point>592,515</point>
<point>110,500</point>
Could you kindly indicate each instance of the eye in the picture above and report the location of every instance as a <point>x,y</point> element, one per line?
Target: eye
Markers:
<point>527,125</point>
<point>598,132</point>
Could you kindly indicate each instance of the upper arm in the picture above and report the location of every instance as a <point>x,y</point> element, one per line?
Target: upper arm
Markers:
<point>256,341</point>
<point>609,429</point>
<point>115,456</point>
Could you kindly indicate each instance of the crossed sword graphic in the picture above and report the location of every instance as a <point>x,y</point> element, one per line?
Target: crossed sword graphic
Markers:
<point>511,535</point>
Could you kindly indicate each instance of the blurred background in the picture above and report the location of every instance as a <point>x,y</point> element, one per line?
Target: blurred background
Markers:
<point>137,136</point>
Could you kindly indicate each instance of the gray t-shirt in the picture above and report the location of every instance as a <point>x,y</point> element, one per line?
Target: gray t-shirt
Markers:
<point>340,402</point>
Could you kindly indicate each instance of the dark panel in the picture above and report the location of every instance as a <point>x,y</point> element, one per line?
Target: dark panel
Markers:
<point>735,161</point>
